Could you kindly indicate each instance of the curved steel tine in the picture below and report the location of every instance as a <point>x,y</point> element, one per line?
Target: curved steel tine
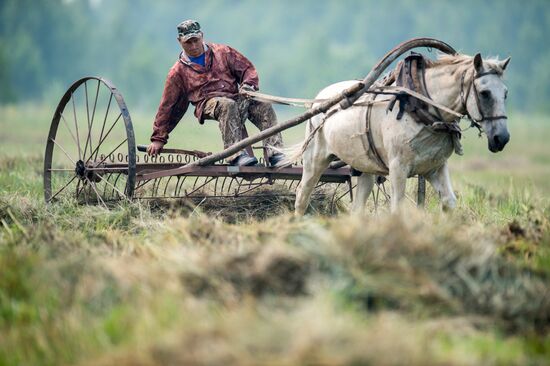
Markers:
<point>195,181</point>
<point>105,185</point>
<point>113,185</point>
<point>377,198</point>
<point>292,182</point>
<point>175,193</point>
<point>166,186</point>
<point>96,192</point>
<point>216,186</point>
<point>347,192</point>
<point>179,189</point>
<point>333,199</point>
<point>119,193</point>
<point>386,194</point>
<point>156,184</point>
<point>84,186</point>
<point>231,181</point>
<point>238,187</point>
<point>77,190</point>
<point>107,188</point>
<point>223,185</point>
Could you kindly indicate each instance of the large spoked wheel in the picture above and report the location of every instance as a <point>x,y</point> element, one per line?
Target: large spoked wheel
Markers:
<point>91,151</point>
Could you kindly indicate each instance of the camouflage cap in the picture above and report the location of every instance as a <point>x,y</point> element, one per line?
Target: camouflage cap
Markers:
<point>189,29</point>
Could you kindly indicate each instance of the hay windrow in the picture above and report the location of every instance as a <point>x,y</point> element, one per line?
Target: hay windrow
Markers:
<point>259,204</point>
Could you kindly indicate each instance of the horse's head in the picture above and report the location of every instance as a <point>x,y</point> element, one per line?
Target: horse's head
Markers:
<point>485,100</point>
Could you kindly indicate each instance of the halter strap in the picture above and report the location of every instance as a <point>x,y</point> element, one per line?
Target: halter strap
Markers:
<point>464,98</point>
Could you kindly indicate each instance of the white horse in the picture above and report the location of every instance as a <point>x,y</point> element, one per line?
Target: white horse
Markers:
<point>465,84</point>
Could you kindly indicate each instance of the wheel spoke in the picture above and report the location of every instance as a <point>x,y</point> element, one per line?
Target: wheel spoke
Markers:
<point>65,186</point>
<point>92,184</point>
<point>104,138</point>
<point>93,111</point>
<point>70,131</point>
<point>115,149</point>
<point>89,137</point>
<point>76,126</point>
<point>62,149</point>
<point>102,128</point>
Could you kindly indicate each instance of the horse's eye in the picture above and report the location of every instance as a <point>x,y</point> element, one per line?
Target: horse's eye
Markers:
<point>485,94</point>
<point>506,94</point>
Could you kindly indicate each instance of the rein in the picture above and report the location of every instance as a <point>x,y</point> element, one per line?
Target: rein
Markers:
<point>389,90</point>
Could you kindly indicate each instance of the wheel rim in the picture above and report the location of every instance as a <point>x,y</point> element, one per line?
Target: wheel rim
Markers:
<point>90,152</point>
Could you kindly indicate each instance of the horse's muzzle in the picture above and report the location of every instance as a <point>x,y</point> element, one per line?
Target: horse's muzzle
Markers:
<point>498,141</point>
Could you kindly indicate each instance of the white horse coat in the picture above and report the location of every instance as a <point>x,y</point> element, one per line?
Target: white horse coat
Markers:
<point>406,147</point>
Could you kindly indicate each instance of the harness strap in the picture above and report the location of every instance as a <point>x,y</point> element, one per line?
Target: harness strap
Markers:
<point>372,146</point>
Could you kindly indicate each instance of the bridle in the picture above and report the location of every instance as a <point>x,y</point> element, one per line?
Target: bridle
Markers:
<point>464,98</point>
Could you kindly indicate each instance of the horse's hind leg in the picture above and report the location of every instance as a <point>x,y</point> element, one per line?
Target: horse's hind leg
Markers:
<point>365,182</point>
<point>312,171</point>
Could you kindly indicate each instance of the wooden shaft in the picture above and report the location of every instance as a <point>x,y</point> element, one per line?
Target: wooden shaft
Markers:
<point>346,98</point>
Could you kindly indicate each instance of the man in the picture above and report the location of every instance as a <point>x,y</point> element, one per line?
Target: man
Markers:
<point>210,76</point>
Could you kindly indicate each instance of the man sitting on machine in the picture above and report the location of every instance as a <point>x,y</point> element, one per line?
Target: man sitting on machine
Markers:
<point>210,76</point>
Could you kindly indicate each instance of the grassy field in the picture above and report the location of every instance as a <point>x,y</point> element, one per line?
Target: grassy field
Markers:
<point>142,285</point>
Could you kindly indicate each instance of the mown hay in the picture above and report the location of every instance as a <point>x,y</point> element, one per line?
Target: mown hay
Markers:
<point>404,261</point>
<point>260,204</point>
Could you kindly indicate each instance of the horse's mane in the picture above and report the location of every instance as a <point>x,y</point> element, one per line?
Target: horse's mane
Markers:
<point>464,61</point>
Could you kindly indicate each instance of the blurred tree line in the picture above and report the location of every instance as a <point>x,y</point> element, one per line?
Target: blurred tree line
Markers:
<point>297,46</point>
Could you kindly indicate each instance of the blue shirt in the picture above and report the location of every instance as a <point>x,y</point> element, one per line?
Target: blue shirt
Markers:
<point>198,60</point>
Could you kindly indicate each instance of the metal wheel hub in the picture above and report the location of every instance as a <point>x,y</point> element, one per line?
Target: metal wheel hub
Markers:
<point>84,172</point>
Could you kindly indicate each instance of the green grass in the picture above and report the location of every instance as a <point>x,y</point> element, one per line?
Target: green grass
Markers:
<point>139,285</point>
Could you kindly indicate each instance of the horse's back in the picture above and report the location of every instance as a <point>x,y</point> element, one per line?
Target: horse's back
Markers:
<point>335,88</point>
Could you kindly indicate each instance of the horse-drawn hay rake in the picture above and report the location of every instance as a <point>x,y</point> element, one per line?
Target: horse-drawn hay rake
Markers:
<point>91,154</point>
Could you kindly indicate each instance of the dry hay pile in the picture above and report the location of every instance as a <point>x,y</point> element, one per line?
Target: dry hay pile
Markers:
<point>414,262</point>
<point>259,204</point>
<point>407,262</point>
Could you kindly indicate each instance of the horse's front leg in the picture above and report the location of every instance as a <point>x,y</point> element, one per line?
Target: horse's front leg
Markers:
<point>441,182</point>
<point>398,180</point>
<point>313,168</point>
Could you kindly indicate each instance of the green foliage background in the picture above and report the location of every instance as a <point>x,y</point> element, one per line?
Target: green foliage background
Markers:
<point>298,46</point>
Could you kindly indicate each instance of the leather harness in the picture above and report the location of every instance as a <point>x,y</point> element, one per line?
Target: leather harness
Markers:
<point>410,73</point>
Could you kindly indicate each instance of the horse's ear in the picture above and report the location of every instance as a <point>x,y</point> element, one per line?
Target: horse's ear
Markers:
<point>504,63</point>
<point>478,62</point>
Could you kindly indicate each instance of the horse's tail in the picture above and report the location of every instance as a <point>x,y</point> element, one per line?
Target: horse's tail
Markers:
<point>293,154</point>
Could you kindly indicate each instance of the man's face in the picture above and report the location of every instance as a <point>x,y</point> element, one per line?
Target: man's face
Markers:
<point>193,47</point>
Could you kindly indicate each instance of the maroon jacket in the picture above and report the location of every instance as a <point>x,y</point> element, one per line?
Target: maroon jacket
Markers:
<point>225,68</point>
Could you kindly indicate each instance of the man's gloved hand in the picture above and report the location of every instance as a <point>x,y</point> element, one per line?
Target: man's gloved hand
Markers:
<point>245,88</point>
<point>155,148</point>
